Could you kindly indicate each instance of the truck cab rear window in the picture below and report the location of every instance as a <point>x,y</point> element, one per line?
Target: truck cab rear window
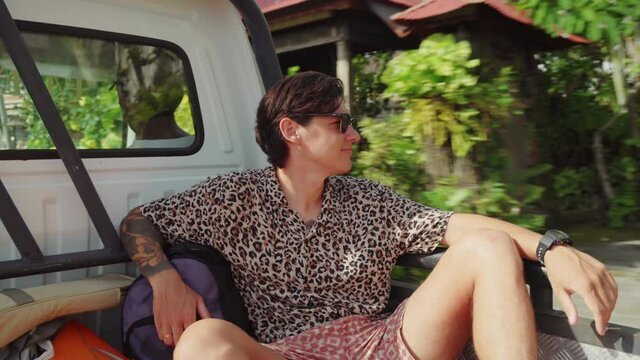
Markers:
<point>114,97</point>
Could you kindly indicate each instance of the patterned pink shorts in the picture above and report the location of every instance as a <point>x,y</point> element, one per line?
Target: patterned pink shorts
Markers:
<point>352,337</point>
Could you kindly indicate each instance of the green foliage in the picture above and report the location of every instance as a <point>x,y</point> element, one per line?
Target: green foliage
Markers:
<point>292,70</point>
<point>409,274</point>
<point>596,19</point>
<point>393,157</point>
<point>579,72</point>
<point>625,205</point>
<point>100,119</point>
<point>445,100</point>
<point>183,116</point>
<point>443,95</point>
<point>582,99</point>
<point>614,24</point>
<point>9,80</point>
<point>490,198</point>
<point>440,67</point>
<point>367,85</point>
<point>573,188</point>
<point>90,111</point>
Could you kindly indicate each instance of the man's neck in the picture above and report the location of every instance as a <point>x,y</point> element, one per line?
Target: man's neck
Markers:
<point>303,190</point>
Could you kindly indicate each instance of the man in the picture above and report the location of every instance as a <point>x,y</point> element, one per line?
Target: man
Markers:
<point>312,253</point>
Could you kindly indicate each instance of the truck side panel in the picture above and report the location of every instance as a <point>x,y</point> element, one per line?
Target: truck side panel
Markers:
<point>228,89</point>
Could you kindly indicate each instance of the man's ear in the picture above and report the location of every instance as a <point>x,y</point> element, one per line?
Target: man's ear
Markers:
<point>289,130</point>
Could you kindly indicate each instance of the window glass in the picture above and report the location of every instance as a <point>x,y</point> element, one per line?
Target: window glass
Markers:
<point>110,95</point>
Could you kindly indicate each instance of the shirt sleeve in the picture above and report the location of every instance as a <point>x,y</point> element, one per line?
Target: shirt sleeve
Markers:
<point>188,215</point>
<point>415,228</point>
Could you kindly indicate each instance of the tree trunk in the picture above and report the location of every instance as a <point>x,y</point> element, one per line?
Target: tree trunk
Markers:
<point>618,77</point>
<point>438,164</point>
<point>441,164</point>
<point>463,170</point>
<point>632,45</point>
<point>601,164</point>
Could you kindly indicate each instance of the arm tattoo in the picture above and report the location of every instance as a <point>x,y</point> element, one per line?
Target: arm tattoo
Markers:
<point>143,243</point>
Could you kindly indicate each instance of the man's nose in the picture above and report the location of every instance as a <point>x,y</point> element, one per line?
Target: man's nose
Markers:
<point>352,135</point>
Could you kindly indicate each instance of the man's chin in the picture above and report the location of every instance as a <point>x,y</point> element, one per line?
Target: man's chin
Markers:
<point>345,169</point>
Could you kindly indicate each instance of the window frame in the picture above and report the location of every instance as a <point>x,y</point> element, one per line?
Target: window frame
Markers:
<point>64,30</point>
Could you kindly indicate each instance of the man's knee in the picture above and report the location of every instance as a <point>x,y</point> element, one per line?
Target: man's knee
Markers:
<point>488,247</point>
<point>210,339</point>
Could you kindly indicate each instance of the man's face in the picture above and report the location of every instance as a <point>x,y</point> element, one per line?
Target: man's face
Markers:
<point>325,146</point>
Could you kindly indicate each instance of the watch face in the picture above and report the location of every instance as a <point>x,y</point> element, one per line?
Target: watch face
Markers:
<point>556,235</point>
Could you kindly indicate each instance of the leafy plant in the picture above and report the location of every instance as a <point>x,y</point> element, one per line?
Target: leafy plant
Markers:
<point>292,70</point>
<point>367,84</point>
<point>91,114</point>
<point>490,198</point>
<point>444,97</point>
<point>615,27</point>
<point>626,202</point>
<point>392,157</point>
<point>184,119</point>
<point>446,103</point>
<point>574,188</point>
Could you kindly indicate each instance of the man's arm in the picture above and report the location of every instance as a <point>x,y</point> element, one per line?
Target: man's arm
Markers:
<point>174,303</point>
<point>143,242</point>
<point>569,270</point>
<point>526,240</point>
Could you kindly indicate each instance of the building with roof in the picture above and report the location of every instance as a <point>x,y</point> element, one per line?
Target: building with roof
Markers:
<point>323,35</point>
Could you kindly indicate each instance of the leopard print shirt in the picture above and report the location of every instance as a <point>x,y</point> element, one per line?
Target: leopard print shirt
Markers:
<point>292,277</point>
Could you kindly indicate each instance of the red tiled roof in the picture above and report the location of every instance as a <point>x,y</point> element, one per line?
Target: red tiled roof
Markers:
<point>273,5</point>
<point>432,8</point>
<point>406,3</point>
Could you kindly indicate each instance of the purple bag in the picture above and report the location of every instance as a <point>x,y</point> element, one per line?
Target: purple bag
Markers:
<point>204,270</point>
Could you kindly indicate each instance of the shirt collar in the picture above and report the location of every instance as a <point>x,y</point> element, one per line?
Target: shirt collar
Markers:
<point>275,192</point>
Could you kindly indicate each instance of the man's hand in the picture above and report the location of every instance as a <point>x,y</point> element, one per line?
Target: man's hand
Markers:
<point>174,303</point>
<point>174,306</point>
<point>572,271</point>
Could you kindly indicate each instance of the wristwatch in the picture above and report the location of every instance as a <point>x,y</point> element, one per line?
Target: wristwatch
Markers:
<point>550,239</point>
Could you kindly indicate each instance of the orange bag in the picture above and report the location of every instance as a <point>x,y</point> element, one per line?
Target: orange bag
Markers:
<point>75,341</point>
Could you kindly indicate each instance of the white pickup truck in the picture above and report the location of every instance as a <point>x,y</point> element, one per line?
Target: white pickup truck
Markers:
<point>108,104</point>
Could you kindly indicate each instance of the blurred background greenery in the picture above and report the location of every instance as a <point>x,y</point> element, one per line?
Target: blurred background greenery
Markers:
<point>434,122</point>
<point>438,125</point>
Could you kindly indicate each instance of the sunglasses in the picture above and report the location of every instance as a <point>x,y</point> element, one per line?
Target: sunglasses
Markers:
<point>345,119</point>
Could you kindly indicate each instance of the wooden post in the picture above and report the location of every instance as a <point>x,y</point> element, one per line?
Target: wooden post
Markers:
<point>343,69</point>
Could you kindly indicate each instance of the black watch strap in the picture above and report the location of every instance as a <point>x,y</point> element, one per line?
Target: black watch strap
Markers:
<point>549,240</point>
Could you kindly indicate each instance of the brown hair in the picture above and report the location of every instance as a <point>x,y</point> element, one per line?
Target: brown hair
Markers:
<point>305,92</point>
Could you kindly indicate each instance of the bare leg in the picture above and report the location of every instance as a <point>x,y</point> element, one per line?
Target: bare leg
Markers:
<point>218,339</point>
<point>477,287</point>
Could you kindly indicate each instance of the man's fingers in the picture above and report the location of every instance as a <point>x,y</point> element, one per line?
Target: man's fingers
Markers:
<point>177,332</point>
<point>202,309</point>
<point>174,308</point>
<point>598,306</point>
<point>568,306</point>
<point>581,273</point>
<point>608,294</point>
<point>613,288</point>
<point>165,333</point>
<point>161,329</point>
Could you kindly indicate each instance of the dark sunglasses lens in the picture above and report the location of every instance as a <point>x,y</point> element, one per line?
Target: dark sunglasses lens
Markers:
<point>345,121</point>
